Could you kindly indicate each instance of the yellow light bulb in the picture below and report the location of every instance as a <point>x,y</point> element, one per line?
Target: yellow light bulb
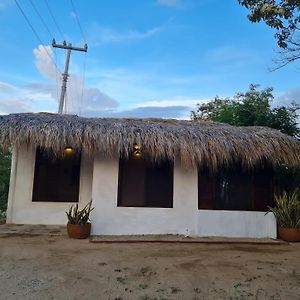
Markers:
<point>137,151</point>
<point>69,150</point>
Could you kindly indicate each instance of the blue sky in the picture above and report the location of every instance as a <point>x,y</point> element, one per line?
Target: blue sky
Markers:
<point>150,58</point>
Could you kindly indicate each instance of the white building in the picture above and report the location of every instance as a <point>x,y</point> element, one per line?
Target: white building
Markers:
<point>144,176</point>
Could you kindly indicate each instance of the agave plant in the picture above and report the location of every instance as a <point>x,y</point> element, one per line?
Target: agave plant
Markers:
<point>287,209</point>
<point>77,216</point>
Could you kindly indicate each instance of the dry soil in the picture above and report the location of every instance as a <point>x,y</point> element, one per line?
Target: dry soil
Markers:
<point>44,267</point>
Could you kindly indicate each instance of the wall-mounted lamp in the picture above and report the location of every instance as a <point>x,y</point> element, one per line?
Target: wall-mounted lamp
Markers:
<point>137,151</point>
<point>69,150</point>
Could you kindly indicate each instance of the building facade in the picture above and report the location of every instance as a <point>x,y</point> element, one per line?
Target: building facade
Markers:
<point>99,180</point>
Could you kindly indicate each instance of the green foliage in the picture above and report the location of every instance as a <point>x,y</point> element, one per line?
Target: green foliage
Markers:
<point>286,178</point>
<point>77,216</point>
<point>287,209</point>
<point>252,108</point>
<point>284,17</point>
<point>5,162</point>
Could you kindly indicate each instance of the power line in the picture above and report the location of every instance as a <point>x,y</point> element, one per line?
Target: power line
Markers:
<point>35,33</point>
<point>84,64</point>
<point>53,18</point>
<point>41,18</point>
<point>83,81</point>
<point>56,76</point>
<point>78,22</point>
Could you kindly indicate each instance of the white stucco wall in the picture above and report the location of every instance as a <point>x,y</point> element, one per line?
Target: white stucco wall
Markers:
<point>108,219</point>
<point>236,224</point>
<point>21,209</point>
<point>183,218</point>
<point>99,181</point>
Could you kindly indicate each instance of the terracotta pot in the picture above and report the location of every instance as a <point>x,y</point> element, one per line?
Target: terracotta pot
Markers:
<point>289,234</point>
<point>79,231</point>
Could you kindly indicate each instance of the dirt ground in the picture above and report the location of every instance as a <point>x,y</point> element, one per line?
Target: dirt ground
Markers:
<point>45,267</point>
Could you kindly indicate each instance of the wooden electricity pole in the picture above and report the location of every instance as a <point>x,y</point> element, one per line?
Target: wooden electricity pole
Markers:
<point>65,75</point>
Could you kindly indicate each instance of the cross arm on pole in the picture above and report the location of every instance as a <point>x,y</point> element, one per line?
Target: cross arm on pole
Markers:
<point>65,75</point>
<point>66,46</point>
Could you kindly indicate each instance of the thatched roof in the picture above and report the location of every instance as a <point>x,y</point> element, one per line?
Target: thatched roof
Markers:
<point>196,143</point>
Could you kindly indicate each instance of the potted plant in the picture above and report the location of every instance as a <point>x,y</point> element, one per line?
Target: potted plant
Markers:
<point>287,214</point>
<point>79,226</point>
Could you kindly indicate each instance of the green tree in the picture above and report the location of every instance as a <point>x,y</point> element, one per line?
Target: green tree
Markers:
<point>284,17</point>
<point>252,108</point>
<point>5,160</point>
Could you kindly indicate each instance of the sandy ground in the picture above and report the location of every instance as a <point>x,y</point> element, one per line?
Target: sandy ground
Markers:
<point>44,267</point>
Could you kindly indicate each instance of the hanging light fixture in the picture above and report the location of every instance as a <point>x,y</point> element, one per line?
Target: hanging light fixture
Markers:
<point>137,151</point>
<point>69,150</point>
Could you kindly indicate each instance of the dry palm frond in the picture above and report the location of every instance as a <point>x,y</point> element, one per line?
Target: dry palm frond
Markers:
<point>195,143</point>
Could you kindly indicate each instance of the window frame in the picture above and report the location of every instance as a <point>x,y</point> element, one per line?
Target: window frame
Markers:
<point>170,185</point>
<point>210,202</point>
<point>39,152</point>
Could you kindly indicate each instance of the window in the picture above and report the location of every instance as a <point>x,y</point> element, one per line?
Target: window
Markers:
<point>145,184</point>
<point>56,180</point>
<point>234,189</point>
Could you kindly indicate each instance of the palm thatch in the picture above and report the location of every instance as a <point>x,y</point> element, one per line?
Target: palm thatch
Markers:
<point>196,143</point>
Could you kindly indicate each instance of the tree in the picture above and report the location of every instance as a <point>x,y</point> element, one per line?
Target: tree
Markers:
<point>284,17</point>
<point>252,108</point>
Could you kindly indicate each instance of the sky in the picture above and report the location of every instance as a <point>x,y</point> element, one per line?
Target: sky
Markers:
<point>150,58</point>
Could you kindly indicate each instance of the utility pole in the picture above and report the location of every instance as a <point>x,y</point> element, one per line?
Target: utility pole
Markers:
<point>65,75</point>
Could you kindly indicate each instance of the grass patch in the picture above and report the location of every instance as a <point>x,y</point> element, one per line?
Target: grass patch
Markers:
<point>122,280</point>
<point>175,290</point>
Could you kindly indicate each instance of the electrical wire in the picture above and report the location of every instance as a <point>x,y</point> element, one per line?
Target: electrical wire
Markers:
<point>70,97</point>
<point>65,102</point>
<point>54,20</point>
<point>51,36</point>
<point>41,18</point>
<point>84,64</point>
<point>35,33</point>
<point>83,83</point>
<point>56,76</point>
<point>77,20</point>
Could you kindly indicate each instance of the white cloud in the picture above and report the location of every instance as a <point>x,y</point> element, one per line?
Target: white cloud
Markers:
<point>135,90</point>
<point>229,54</point>
<point>77,94</point>
<point>24,100</point>
<point>178,112</point>
<point>106,35</point>
<point>169,103</point>
<point>5,87</point>
<point>44,61</point>
<point>287,97</point>
<point>40,96</point>
<point>82,99</point>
